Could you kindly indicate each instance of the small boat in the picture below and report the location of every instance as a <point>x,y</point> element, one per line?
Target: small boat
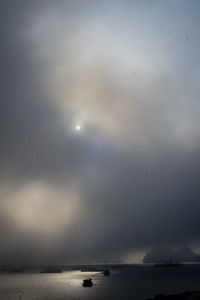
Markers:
<point>87,282</point>
<point>106,272</point>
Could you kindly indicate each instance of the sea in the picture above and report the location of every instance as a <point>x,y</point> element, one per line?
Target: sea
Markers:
<point>131,282</point>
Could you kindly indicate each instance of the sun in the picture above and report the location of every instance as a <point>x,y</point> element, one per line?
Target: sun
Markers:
<point>78,127</point>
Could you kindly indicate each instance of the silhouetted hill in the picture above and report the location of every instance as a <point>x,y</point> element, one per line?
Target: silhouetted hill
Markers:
<point>159,254</point>
<point>183,296</point>
<point>163,254</point>
<point>185,254</point>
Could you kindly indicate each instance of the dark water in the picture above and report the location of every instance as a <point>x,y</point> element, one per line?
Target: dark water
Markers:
<point>128,283</point>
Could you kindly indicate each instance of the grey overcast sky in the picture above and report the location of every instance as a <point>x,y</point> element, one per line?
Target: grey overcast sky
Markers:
<point>99,127</point>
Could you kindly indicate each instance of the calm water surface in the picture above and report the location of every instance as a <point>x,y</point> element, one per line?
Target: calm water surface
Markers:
<point>127,283</point>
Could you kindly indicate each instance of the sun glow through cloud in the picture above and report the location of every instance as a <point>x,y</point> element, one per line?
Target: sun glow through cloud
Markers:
<point>78,127</point>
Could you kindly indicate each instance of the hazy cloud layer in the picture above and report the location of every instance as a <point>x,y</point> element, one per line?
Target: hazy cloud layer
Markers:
<point>128,73</point>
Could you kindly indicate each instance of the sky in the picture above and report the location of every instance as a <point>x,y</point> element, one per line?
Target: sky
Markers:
<point>127,178</point>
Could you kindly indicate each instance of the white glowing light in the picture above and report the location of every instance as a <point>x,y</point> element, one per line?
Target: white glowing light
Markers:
<point>78,127</point>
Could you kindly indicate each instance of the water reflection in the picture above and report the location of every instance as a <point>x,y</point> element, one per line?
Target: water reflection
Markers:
<point>75,278</point>
<point>130,283</point>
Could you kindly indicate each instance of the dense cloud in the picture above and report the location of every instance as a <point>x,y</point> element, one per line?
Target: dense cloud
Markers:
<point>127,72</point>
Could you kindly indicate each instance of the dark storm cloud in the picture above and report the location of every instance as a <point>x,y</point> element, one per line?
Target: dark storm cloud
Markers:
<point>134,169</point>
<point>138,204</point>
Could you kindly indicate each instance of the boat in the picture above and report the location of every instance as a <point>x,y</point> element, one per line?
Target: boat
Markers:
<point>87,282</point>
<point>106,272</point>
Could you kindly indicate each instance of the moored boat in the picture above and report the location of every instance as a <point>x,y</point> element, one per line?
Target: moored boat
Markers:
<point>106,272</point>
<point>87,282</point>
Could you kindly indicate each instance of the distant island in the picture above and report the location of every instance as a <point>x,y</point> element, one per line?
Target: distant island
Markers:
<point>164,254</point>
